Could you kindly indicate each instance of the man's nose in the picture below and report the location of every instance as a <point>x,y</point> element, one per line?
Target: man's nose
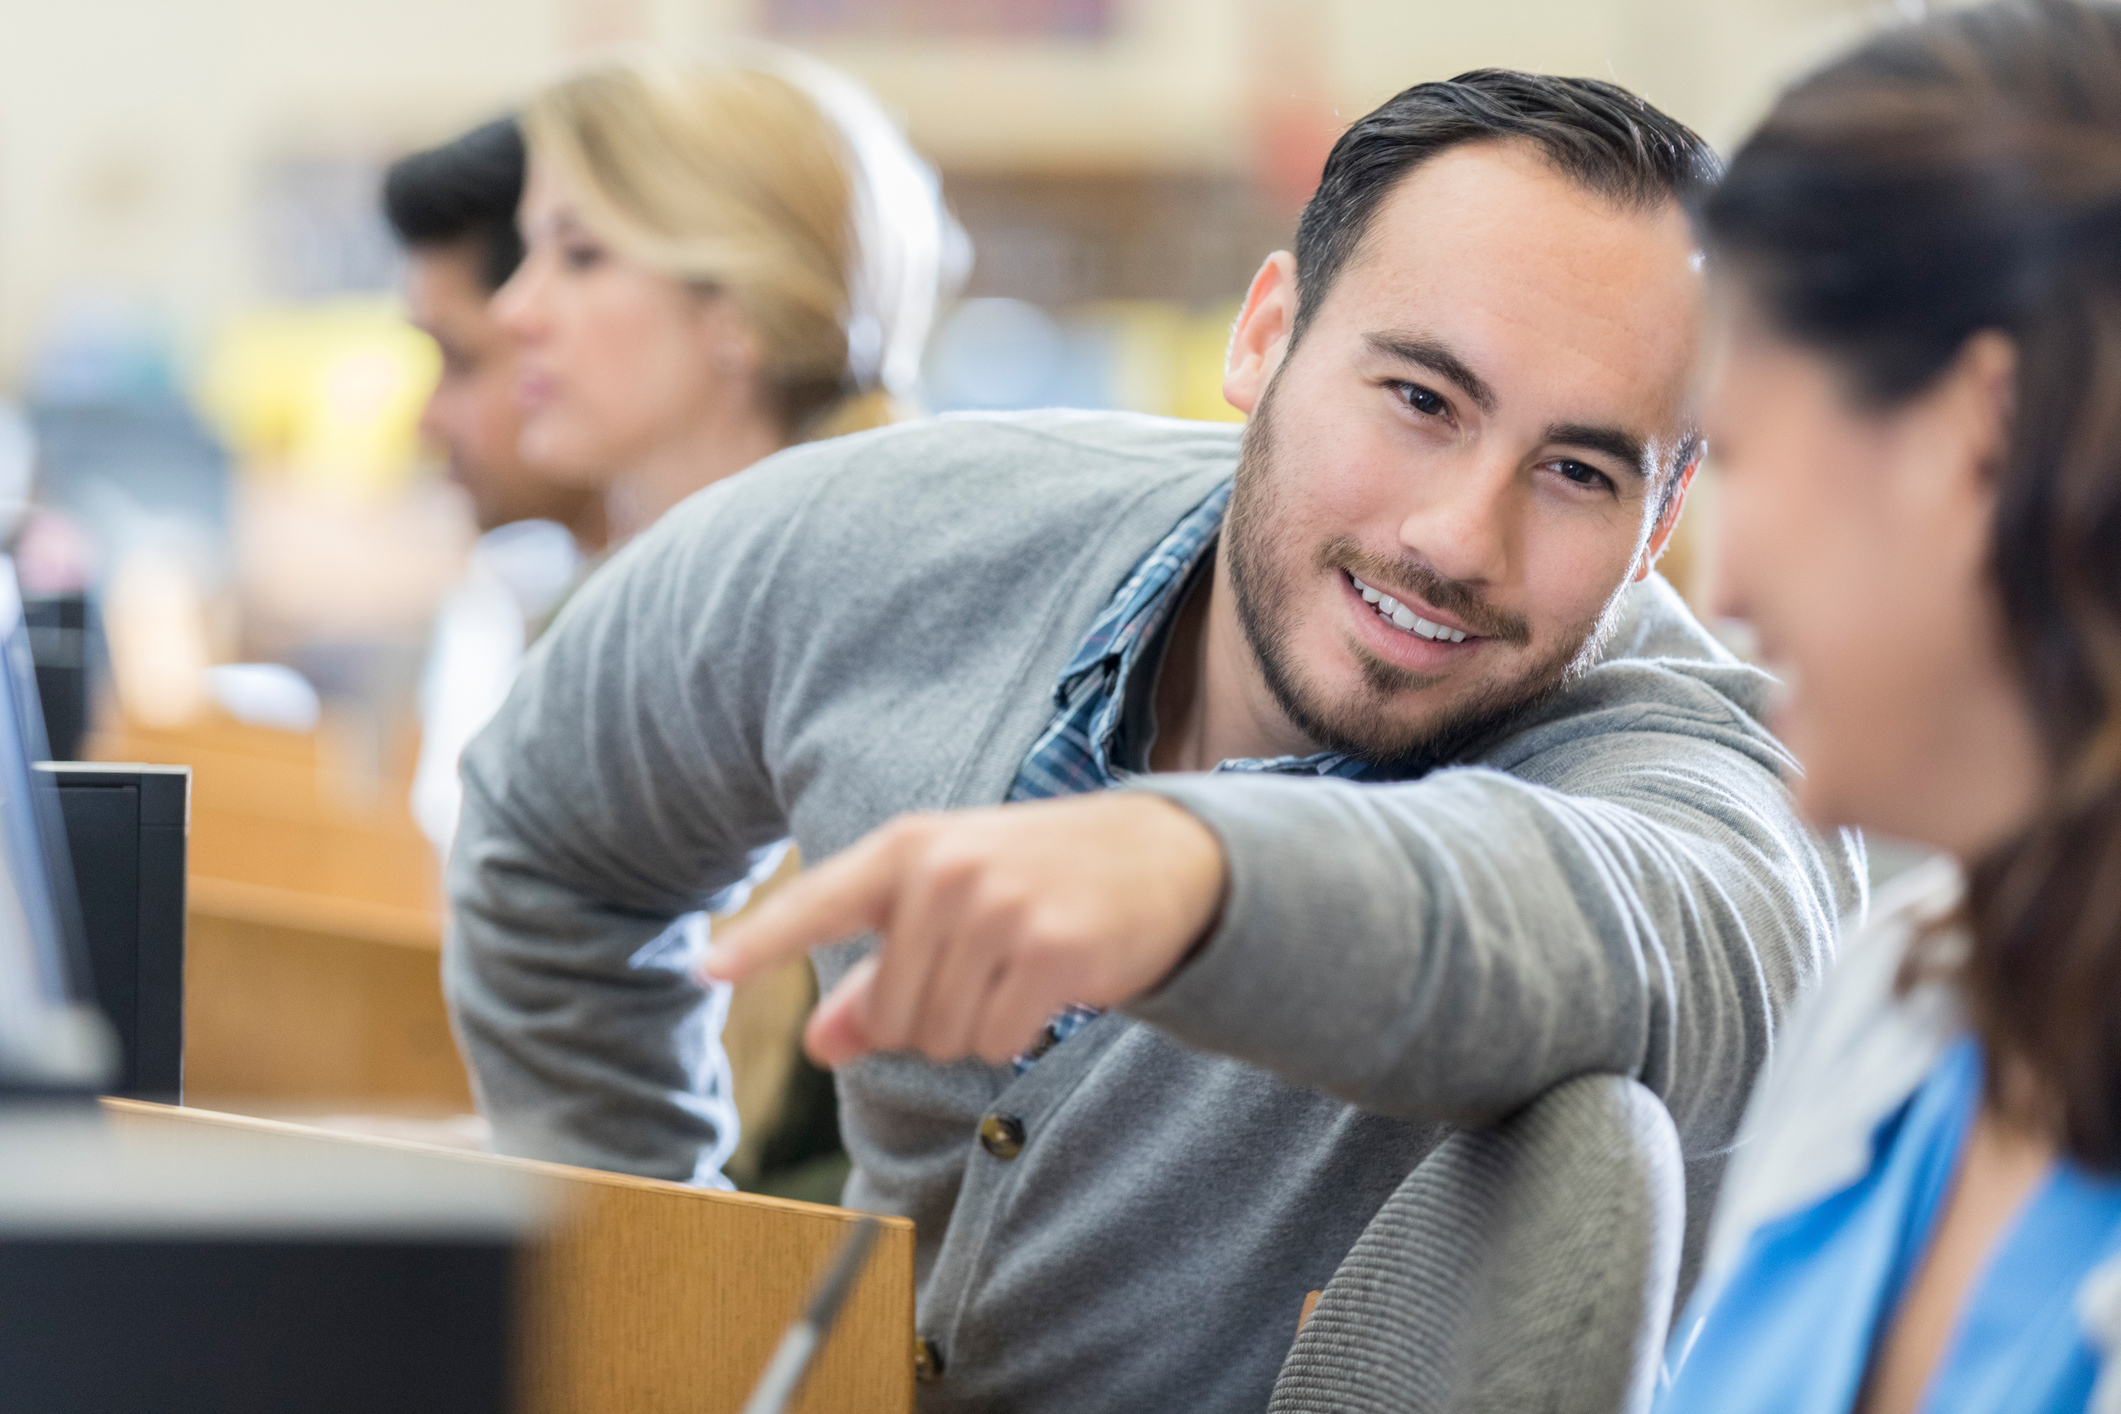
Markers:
<point>518,306</point>
<point>1467,522</point>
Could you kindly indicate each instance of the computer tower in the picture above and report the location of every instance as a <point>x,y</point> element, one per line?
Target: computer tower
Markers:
<point>125,832</point>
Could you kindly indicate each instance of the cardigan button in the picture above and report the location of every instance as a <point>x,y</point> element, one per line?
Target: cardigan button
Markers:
<point>927,1361</point>
<point>1002,1135</point>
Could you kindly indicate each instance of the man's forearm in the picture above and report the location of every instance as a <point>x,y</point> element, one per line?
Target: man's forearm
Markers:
<point>1450,950</point>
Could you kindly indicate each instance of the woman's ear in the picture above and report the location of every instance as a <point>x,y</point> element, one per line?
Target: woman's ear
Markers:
<point>727,336</point>
<point>1964,421</point>
<point>1261,335</point>
<point>1987,374</point>
<point>1946,446</point>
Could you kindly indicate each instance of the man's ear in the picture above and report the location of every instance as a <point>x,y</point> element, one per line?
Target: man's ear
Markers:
<point>1661,533</point>
<point>1262,333</point>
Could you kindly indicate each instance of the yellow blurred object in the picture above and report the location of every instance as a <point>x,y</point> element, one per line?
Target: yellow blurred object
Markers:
<point>327,395</point>
<point>1145,337</point>
<point>1166,359</point>
<point>1201,351</point>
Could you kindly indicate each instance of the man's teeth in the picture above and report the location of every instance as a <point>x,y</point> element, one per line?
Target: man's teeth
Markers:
<point>1401,616</point>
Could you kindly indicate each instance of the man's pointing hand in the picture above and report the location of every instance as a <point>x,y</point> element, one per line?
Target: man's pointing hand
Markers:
<point>991,922</point>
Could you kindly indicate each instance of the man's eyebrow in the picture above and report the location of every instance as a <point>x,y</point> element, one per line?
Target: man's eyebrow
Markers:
<point>1437,358</point>
<point>1623,446</point>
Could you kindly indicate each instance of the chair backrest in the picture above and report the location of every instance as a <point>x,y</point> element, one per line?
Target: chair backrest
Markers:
<point>1529,1265</point>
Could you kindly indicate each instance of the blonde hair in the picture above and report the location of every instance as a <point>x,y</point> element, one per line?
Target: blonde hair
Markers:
<point>778,182</point>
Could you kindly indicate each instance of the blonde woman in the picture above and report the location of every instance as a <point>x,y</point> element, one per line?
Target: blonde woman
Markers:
<point>724,255</point>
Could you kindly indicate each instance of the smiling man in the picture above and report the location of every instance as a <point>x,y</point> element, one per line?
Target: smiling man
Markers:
<point>1430,793</point>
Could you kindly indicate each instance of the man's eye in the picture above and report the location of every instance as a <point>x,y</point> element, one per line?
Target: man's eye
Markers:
<point>1585,475</point>
<point>1421,399</point>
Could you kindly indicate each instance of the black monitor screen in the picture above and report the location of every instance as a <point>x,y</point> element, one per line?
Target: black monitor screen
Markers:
<point>49,1037</point>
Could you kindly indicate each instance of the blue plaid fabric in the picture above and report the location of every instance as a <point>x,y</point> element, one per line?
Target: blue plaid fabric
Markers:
<point>1076,752</point>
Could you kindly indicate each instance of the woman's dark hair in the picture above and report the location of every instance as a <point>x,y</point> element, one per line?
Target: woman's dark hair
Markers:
<point>464,190</point>
<point>1948,178</point>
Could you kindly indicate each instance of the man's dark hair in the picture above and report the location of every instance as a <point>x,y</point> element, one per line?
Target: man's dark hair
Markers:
<point>1599,134</point>
<point>464,190</point>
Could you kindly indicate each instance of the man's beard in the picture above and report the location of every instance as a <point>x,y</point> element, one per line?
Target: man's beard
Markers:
<point>1265,591</point>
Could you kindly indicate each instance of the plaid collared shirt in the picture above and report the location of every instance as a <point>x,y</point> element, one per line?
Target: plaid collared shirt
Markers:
<point>1076,752</point>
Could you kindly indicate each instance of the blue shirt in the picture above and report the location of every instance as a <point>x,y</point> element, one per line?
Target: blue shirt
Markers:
<point>1106,685</point>
<point>1794,1328</point>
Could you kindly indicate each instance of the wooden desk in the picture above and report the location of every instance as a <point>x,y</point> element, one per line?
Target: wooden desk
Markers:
<point>314,935</point>
<point>295,999</point>
<point>313,923</point>
<point>291,810</point>
<point>651,1297</point>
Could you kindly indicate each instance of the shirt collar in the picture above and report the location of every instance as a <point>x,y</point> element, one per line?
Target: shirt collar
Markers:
<point>1148,597</point>
<point>1111,650</point>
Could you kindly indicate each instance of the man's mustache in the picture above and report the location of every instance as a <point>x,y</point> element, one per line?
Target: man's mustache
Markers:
<point>1407,572</point>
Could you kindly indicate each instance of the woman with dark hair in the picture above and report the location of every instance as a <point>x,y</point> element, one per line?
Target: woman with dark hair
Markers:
<point>1915,403</point>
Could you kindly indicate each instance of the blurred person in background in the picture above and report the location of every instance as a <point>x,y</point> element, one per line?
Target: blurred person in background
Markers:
<point>1918,366</point>
<point>1202,819</point>
<point>726,255</point>
<point>454,209</point>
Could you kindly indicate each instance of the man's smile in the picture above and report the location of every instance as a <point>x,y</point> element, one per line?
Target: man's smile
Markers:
<point>1401,616</point>
<point>1409,635</point>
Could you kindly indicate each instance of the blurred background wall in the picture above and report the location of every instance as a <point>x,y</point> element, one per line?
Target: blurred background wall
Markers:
<point>185,156</point>
<point>196,289</point>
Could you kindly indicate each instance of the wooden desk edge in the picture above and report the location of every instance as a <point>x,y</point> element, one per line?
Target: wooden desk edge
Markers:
<point>145,1109</point>
<point>267,904</point>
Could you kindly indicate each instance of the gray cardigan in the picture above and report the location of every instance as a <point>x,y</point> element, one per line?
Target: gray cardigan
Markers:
<point>875,624</point>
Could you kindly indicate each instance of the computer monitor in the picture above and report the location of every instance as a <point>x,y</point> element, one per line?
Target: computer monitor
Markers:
<point>66,642</point>
<point>52,1040</point>
<point>199,1269</point>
